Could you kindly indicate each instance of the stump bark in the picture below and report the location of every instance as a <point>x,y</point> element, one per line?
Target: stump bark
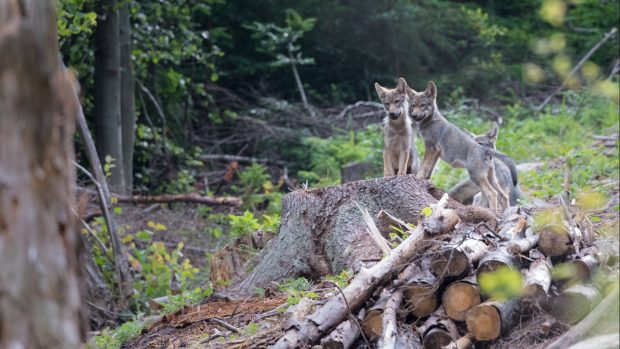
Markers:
<point>322,230</point>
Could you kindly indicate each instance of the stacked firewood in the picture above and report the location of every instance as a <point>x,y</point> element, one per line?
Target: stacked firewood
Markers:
<point>426,293</point>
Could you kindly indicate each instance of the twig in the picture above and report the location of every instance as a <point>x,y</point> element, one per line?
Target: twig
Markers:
<point>225,324</point>
<point>607,36</point>
<point>239,158</point>
<point>115,241</point>
<point>374,232</point>
<point>356,105</point>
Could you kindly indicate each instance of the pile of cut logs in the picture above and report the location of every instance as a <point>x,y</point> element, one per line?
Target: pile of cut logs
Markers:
<point>425,293</point>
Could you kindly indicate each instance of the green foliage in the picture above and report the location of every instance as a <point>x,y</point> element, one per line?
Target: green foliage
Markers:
<point>297,289</point>
<point>325,156</point>
<point>280,42</point>
<point>342,279</point>
<point>185,299</point>
<point>73,18</point>
<point>253,178</point>
<point>243,224</point>
<point>114,339</point>
<point>504,283</point>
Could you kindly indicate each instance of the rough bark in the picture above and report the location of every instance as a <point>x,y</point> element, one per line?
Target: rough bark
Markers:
<point>528,242</point>
<point>128,98</point>
<point>459,297</point>
<point>487,321</point>
<point>107,90</point>
<point>40,295</point>
<point>322,230</point>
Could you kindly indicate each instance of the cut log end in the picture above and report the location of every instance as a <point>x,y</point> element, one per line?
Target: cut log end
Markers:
<point>420,299</point>
<point>372,326</point>
<point>555,243</point>
<point>458,298</point>
<point>575,303</point>
<point>451,262</point>
<point>484,322</point>
<point>436,339</point>
<point>490,266</point>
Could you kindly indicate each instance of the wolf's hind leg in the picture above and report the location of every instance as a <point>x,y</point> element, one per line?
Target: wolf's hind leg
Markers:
<point>502,199</point>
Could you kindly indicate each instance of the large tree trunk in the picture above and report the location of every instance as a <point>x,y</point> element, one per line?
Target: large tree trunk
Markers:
<point>40,296</point>
<point>107,91</point>
<point>322,230</point>
<point>128,111</point>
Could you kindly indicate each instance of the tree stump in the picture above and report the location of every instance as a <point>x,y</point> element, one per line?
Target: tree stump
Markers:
<point>322,230</point>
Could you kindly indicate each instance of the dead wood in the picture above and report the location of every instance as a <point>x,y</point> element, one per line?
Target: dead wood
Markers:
<point>496,259</point>
<point>465,342</point>
<point>537,281</point>
<point>459,297</point>
<point>421,292</point>
<point>487,321</point>
<point>602,314</point>
<point>456,258</point>
<point>575,303</point>
<point>438,330</point>
<point>170,198</point>
<point>390,330</point>
<point>343,336</point>
<point>335,310</point>
<point>407,338</point>
<point>522,245</point>
<point>556,242</point>
<point>386,221</point>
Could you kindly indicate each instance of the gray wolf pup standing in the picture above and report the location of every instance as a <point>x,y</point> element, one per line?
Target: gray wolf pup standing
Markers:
<point>505,170</point>
<point>399,152</point>
<point>446,141</point>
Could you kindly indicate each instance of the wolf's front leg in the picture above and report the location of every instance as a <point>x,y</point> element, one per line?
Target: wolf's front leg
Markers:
<point>430,159</point>
<point>388,168</point>
<point>403,159</point>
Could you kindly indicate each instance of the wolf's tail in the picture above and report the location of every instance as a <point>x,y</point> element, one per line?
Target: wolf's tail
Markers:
<point>510,163</point>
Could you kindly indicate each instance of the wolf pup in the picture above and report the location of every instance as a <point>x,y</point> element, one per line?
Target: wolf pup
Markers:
<point>399,152</point>
<point>446,141</point>
<point>467,192</point>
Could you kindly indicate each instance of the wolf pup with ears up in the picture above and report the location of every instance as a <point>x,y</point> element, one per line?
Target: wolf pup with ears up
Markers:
<point>446,141</point>
<point>399,153</point>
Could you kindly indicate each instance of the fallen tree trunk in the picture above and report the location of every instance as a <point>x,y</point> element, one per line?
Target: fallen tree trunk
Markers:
<point>322,230</point>
<point>335,310</point>
<point>170,198</point>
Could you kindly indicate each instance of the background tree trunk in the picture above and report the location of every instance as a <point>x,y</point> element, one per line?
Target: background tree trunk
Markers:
<point>40,296</point>
<point>128,111</point>
<point>322,230</point>
<point>107,90</point>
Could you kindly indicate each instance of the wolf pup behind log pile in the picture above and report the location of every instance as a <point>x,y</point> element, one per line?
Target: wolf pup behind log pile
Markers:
<point>399,153</point>
<point>446,141</point>
<point>505,169</point>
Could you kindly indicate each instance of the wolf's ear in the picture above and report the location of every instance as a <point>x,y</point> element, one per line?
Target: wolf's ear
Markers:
<point>469,133</point>
<point>411,92</point>
<point>431,90</point>
<point>380,90</point>
<point>401,87</point>
<point>493,132</point>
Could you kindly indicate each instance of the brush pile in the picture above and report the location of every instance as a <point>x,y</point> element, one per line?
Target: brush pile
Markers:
<point>427,291</point>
